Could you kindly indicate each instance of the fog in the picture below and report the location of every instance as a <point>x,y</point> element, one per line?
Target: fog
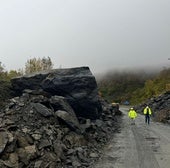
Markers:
<point>102,34</point>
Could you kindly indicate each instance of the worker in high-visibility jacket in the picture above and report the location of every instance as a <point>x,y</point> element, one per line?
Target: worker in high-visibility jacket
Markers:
<point>132,115</point>
<point>147,112</point>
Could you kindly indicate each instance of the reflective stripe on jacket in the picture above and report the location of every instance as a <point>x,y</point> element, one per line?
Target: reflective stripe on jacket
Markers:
<point>132,114</point>
<point>145,110</point>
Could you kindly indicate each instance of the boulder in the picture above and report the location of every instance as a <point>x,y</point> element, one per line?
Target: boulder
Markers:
<point>38,131</point>
<point>77,85</point>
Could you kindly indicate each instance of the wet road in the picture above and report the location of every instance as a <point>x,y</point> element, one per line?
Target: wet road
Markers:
<point>137,146</point>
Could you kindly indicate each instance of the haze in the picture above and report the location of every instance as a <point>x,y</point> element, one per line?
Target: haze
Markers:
<point>101,34</point>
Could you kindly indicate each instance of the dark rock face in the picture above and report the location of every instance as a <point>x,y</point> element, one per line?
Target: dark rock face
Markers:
<point>55,120</point>
<point>38,132</point>
<point>77,85</point>
<point>160,107</point>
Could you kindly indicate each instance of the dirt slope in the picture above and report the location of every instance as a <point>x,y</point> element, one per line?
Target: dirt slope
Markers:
<point>137,146</point>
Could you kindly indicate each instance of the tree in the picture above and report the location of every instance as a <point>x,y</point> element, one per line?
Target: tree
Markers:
<point>38,64</point>
<point>4,85</point>
<point>13,73</point>
<point>3,73</point>
<point>1,67</point>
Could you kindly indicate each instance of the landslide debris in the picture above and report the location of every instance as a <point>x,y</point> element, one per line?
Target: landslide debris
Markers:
<point>160,106</point>
<point>41,129</point>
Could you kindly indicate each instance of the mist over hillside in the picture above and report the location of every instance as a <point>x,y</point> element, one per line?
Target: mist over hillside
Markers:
<point>144,71</point>
<point>133,85</point>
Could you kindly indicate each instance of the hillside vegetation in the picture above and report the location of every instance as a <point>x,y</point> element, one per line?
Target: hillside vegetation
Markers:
<point>32,65</point>
<point>133,87</point>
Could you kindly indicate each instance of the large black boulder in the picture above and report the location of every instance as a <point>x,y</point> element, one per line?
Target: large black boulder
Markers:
<point>77,85</point>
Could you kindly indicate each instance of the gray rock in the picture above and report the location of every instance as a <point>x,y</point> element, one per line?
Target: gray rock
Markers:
<point>69,119</point>
<point>45,131</point>
<point>43,110</point>
<point>159,105</point>
<point>60,103</point>
<point>59,148</point>
<point>74,140</point>
<point>44,143</point>
<point>94,155</point>
<point>77,85</point>
<point>3,140</point>
<point>38,164</point>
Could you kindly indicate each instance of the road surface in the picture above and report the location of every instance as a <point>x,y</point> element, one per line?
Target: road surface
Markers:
<point>137,146</point>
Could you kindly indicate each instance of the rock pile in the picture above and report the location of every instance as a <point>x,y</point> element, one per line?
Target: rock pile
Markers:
<point>42,130</point>
<point>77,85</point>
<point>160,106</point>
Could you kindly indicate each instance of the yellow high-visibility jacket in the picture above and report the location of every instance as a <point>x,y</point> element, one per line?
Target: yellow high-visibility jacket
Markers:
<point>146,109</point>
<point>132,114</point>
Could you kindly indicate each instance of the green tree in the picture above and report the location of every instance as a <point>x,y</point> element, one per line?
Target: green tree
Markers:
<point>14,73</point>
<point>3,73</point>
<point>1,67</point>
<point>149,88</point>
<point>38,64</point>
<point>4,85</point>
<point>119,86</point>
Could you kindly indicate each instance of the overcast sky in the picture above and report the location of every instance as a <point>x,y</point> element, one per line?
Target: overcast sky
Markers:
<point>101,34</point>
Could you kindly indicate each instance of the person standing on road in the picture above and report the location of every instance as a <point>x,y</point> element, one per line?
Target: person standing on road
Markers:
<point>132,115</point>
<point>147,112</point>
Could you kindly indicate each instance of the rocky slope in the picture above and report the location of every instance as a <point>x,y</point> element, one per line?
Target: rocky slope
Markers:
<point>41,129</point>
<point>160,107</point>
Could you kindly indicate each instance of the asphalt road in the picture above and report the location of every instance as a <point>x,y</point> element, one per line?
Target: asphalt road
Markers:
<point>137,146</point>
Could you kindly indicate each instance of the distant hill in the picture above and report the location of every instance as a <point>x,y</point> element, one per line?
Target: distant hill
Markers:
<point>135,86</point>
